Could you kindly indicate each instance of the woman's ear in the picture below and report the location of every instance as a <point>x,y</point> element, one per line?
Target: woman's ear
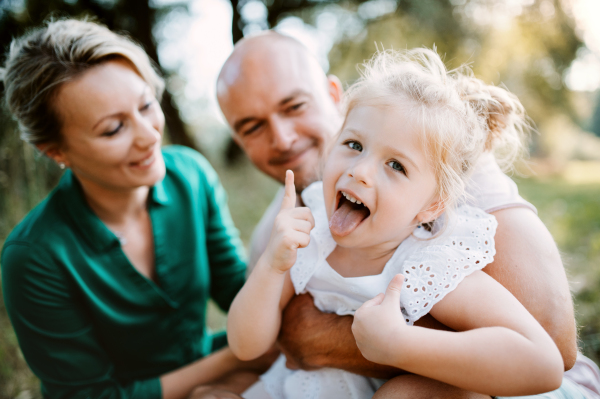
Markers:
<point>432,212</point>
<point>54,152</point>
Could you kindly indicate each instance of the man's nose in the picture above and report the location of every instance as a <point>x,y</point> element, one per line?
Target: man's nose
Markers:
<point>283,134</point>
<point>363,171</point>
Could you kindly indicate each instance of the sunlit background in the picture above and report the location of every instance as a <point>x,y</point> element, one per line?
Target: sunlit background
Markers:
<point>545,51</point>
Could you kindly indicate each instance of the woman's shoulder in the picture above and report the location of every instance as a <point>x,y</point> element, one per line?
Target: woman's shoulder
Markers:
<point>35,236</point>
<point>178,156</point>
<point>187,164</point>
<point>38,224</point>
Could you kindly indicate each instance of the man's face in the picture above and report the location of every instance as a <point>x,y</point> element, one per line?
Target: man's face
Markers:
<point>282,114</point>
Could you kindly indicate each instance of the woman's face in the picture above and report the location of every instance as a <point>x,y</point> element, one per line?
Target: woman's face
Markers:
<point>112,127</point>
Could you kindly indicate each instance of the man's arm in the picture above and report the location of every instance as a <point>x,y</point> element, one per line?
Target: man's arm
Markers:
<point>527,263</point>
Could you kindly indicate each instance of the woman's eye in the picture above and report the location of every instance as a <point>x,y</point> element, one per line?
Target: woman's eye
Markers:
<point>114,131</point>
<point>147,105</point>
<point>353,145</point>
<point>397,166</point>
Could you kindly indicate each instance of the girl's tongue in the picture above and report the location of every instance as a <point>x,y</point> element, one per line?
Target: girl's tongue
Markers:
<point>347,217</point>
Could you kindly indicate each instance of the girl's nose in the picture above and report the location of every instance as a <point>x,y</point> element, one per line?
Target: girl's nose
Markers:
<point>363,172</point>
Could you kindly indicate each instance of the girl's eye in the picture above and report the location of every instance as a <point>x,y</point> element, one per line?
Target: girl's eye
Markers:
<point>396,166</point>
<point>113,132</point>
<point>353,145</point>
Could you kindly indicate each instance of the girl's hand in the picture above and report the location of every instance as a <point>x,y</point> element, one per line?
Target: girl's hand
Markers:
<point>291,230</point>
<point>379,324</point>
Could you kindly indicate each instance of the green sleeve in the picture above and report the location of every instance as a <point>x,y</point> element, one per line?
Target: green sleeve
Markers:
<point>225,249</point>
<point>55,334</point>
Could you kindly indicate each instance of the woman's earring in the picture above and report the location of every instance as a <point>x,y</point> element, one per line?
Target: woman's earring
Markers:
<point>61,165</point>
<point>420,225</point>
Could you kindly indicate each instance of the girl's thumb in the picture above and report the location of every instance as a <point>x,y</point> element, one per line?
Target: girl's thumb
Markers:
<point>392,293</point>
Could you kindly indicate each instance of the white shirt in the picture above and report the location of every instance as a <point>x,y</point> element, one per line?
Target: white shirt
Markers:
<point>432,267</point>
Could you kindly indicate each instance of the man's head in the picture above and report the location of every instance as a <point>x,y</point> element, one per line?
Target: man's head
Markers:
<point>281,106</point>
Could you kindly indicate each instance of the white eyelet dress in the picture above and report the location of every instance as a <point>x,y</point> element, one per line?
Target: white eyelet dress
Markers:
<point>432,268</point>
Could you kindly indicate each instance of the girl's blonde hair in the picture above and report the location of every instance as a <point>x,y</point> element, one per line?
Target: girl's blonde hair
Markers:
<point>39,62</point>
<point>460,116</point>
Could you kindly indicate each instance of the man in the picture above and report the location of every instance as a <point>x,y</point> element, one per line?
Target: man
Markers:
<point>283,111</point>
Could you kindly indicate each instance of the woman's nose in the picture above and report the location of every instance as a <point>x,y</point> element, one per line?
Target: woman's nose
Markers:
<point>146,133</point>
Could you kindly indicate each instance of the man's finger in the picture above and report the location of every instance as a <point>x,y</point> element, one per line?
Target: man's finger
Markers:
<point>392,293</point>
<point>289,199</point>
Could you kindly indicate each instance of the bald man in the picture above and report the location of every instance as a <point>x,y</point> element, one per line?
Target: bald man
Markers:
<point>283,111</point>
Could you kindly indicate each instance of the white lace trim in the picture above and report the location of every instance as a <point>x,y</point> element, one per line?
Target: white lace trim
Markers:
<point>436,268</point>
<point>433,269</point>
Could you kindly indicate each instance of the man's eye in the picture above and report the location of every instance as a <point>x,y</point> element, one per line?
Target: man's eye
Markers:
<point>396,166</point>
<point>353,145</point>
<point>114,131</point>
<point>252,129</point>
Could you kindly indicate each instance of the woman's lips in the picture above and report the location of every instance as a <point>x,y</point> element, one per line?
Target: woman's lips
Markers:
<point>145,163</point>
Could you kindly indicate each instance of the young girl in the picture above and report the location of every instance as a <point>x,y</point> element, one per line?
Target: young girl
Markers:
<point>390,203</point>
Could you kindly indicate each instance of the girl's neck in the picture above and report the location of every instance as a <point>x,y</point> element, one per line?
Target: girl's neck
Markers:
<point>357,262</point>
<point>115,207</point>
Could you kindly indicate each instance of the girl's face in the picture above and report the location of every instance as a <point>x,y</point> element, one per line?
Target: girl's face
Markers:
<point>112,127</point>
<point>378,160</point>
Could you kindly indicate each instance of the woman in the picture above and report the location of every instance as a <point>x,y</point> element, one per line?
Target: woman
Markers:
<point>106,281</point>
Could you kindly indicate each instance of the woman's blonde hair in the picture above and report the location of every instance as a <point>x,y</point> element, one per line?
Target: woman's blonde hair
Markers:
<point>460,116</point>
<point>39,62</point>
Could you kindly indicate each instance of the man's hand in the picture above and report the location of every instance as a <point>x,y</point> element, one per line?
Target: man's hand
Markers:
<point>291,230</point>
<point>379,322</point>
<point>311,339</point>
<point>213,393</point>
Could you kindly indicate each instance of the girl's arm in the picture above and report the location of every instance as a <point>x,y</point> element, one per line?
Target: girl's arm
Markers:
<point>255,314</point>
<point>501,349</point>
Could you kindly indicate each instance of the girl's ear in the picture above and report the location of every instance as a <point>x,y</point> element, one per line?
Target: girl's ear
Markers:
<point>432,212</point>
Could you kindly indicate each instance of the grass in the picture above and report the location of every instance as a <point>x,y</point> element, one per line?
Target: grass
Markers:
<point>571,212</point>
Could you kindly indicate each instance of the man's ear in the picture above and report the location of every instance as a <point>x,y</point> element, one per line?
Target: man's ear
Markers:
<point>435,209</point>
<point>54,152</point>
<point>336,89</point>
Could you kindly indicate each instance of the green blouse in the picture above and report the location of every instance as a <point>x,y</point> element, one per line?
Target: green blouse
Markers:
<point>90,325</point>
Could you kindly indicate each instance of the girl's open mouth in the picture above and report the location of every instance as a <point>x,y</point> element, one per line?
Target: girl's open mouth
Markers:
<point>350,212</point>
